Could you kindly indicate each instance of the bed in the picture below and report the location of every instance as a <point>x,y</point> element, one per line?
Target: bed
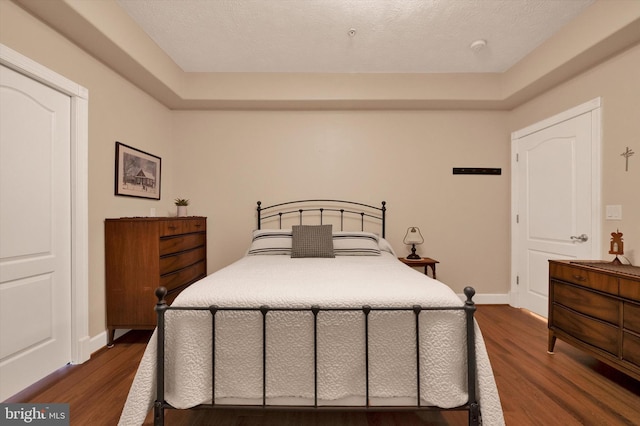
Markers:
<point>317,317</point>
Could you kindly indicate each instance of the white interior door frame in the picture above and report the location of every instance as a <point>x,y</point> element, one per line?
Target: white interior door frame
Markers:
<point>80,350</point>
<point>594,107</point>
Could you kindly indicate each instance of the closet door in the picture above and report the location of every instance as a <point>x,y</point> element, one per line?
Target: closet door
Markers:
<point>35,229</point>
<point>556,192</point>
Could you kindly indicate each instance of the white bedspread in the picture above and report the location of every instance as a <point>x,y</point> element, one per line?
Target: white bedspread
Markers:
<point>350,281</point>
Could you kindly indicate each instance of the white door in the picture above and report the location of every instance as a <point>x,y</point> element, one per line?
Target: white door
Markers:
<point>556,197</point>
<point>35,231</point>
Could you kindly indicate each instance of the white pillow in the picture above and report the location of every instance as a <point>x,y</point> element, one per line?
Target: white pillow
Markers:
<point>271,241</point>
<point>347,243</point>
<point>386,246</point>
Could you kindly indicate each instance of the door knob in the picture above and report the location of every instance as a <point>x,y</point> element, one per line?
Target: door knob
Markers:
<point>582,238</point>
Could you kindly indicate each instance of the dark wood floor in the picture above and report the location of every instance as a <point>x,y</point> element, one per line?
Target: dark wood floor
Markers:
<point>567,388</point>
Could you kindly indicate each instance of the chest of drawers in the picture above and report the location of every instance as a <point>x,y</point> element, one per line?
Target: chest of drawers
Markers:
<point>596,307</point>
<point>142,254</point>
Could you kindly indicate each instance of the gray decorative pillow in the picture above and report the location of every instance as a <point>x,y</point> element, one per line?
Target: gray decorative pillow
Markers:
<point>312,241</point>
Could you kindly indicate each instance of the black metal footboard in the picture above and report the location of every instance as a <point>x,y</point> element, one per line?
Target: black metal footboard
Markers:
<point>472,405</point>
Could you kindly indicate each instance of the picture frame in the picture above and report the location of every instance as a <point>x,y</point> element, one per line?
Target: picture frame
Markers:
<point>138,173</point>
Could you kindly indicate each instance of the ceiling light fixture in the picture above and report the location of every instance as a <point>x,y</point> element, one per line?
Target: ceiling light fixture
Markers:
<point>478,45</point>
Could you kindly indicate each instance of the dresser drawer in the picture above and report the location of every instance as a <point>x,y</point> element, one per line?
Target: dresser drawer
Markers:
<point>631,348</point>
<point>630,289</point>
<point>184,242</point>
<point>587,302</point>
<point>171,296</point>
<point>195,225</point>
<point>183,276</point>
<point>632,317</point>
<point>180,260</point>
<point>582,277</point>
<point>586,329</point>
<point>171,227</point>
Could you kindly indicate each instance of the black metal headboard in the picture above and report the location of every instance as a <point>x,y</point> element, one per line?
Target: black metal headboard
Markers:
<point>339,207</point>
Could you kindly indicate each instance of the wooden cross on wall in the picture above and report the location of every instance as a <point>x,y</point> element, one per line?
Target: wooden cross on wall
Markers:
<point>628,153</point>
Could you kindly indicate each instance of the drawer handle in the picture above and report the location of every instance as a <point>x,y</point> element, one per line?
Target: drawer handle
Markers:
<point>579,278</point>
<point>198,225</point>
<point>173,227</point>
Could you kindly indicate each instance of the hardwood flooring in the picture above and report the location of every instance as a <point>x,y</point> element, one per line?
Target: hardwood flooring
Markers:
<point>536,388</point>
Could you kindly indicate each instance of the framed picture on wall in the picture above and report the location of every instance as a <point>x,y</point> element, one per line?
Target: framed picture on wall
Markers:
<point>138,173</point>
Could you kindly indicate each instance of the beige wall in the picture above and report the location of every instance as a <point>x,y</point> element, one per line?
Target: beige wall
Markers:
<point>118,111</point>
<point>226,161</point>
<point>232,159</point>
<point>617,83</point>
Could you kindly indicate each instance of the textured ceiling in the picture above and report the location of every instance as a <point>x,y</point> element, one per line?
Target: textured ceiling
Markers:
<point>312,36</point>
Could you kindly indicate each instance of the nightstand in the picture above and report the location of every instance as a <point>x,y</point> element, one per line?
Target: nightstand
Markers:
<point>427,262</point>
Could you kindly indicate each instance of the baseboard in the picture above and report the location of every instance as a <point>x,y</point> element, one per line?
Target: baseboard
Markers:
<point>488,299</point>
<point>99,341</point>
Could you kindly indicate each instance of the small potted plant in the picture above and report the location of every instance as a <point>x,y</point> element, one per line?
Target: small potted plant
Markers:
<point>182,204</point>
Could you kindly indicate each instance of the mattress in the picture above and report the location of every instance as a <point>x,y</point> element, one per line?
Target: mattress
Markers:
<point>340,282</point>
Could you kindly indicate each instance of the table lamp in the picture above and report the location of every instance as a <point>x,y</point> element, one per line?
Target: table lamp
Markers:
<point>413,237</point>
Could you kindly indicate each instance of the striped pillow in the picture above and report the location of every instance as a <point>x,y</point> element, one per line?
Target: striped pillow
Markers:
<point>271,241</point>
<point>355,244</point>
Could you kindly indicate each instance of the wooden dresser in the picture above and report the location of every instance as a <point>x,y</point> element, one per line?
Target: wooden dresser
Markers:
<point>595,306</point>
<point>143,254</point>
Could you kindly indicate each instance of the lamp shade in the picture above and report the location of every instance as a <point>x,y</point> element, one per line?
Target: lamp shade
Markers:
<point>413,236</point>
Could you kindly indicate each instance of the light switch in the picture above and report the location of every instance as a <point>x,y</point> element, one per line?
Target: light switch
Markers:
<point>614,212</point>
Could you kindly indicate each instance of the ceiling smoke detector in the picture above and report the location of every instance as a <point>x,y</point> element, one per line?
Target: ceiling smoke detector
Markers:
<point>478,45</point>
<point>352,32</point>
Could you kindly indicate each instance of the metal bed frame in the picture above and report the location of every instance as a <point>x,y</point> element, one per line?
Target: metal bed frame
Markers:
<point>472,405</point>
<point>366,210</point>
